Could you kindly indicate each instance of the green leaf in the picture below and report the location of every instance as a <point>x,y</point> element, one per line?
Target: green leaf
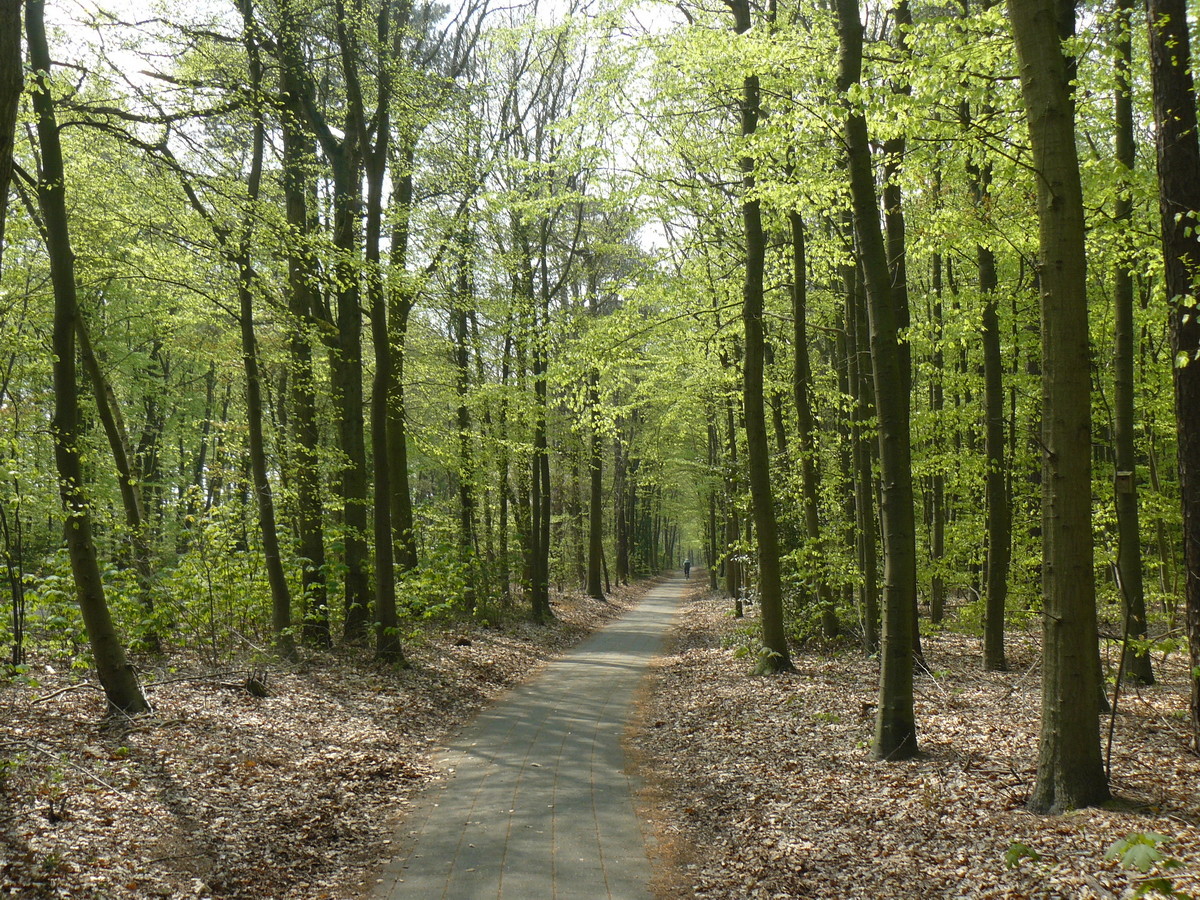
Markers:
<point>1017,851</point>
<point>1138,851</point>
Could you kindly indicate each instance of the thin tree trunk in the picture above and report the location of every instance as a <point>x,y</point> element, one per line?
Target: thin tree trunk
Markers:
<point>116,676</point>
<point>999,517</point>
<point>806,435</point>
<point>1125,492</point>
<point>895,726</point>
<point>937,402</point>
<point>281,598</point>
<point>12,82</point>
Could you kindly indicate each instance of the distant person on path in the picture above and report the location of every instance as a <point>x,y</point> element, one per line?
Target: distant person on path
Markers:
<point>687,568</point>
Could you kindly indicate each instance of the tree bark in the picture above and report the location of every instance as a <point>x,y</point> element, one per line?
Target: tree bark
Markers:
<point>1125,492</point>
<point>12,82</point>
<point>298,157</point>
<point>895,726</point>
<point>116,676</point>
<point>776,656</point>
<point>806,435</point>
<point>281,598</point>
<point>1070,769</point>
<point>1179,200</point>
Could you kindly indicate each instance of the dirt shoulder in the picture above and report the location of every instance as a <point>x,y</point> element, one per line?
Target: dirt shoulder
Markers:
<point>222,794</point>
<point>765,787</point>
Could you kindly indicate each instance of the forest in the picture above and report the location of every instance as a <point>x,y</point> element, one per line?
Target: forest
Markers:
<point>335,332</point>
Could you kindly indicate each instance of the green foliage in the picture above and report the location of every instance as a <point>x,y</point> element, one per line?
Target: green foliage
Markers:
<point>1017,852</point>
<point>1141,851</point>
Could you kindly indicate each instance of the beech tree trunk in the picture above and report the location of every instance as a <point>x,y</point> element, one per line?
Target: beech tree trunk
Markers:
<point>776,656</point>
<point>895,725</point>
<point>12,82</point>
<point>862,391</point>
<point>1070,769</point>
<point>1179,201</point>
<point>281,597</point>
<point>1125,491</point>
<point>298,156</point>
<point>806,436</point>
<point>116,675</point>
<point>999,516</point>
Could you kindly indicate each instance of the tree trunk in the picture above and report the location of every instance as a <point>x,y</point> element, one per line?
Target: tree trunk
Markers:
<point>12,82</point>
<point>128,481</point>
<point>298,157</point>
<point>999,517</point>
<point>1070,769</point>
<point>895,726</point>
<point>281,598</point>
<point>595,494</point>
<point>466,475</point>
<point>937,402</point>
<point>1179,200</point>
<point>806,435</point>
<point>387,636</point>
<point>862,392</point>
<point>116,675</point>
<point>398,316</point>
<point>1125,494</point>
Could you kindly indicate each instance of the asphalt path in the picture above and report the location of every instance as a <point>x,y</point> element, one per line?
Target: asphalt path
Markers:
<point>538,798</point>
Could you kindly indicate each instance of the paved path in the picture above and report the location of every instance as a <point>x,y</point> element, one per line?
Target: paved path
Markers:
<point>538,803</point>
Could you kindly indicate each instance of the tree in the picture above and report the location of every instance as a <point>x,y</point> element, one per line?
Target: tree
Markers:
<point>1070,769</point>
<point>1129,542</point>
<point>1178,152</point>
<point>895,726</point>
<point>116,675</point>
<point>12,82</point>
<point>776,657</point>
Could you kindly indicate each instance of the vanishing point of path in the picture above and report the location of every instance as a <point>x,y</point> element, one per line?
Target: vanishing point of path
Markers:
<point>538,802</point>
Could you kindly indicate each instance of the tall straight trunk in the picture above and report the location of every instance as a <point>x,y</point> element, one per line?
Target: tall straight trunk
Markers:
<point>12,82</point>
<point>734,583</point>
<point>387,637</point>
<point>346,364</point>
<point>806,435</point>
<point>595,494</point>
<point>299,194</point>
<point>776,657</point>
<point>398,317</point>
<point>539,496</point>
<point>862,391</point>
<point>1179,200</point>
<point>281,597</point>
<point>116,676</point>
<point>999,517</point>
<point>503,474</point>
<point>895,725</point>
<point>620,520</point>
<point>1070,768</point>
<point>466,477</point>
<point>714,463</point>
<point>1125,492</point>
<point>937,403</point>
<point>344,154</point>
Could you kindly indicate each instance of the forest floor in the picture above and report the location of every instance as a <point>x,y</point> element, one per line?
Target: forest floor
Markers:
<point>222,794</point>
<point>773,778</point>
<point>294,796</point>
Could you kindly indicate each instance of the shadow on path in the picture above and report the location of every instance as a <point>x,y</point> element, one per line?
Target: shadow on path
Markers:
<point>537,801</point>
